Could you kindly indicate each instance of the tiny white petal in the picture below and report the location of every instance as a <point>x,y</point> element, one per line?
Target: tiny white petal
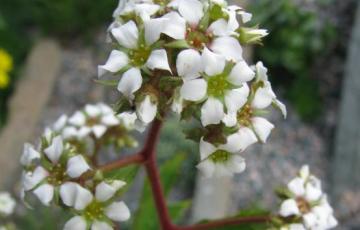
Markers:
<point>207,168</point>
<point>92,110</point>
<point>76,223</point>
<point>110,120</point>
<point>147,110</point>
<point>78,119</point>
<point>127,35</point>
<point>83,132</point>
<point>219,27</point>
<point>312,193</point>
<point>236,164</point>
<point>158,60</point>
<point>212,112</point>
<point>55,150</point>
<point>309,220</point>
<point>282,107</point>
<point>60,123</point>
<point>206,149</point>
<point>230,119</point>
<point>29,155</point>
<point>241,73</point>
<point>262,128</point>
<point>213,64</point>
<point>175,27</point>
<point>105,191</point>
<point>236,98</point>
<point>297,186</point>
<point>130,82</point>
<point>246,138</point>
<point>45,193</point>
<point>99,130</point>
<point>73,195</point>
<point>191,10</point>
<point>305,172</point>
<point>118,211</point>
<point>7,204</point>
<point>296,227</point>
<point>264,96</point>
<point>116,61</point>
<point>188,64</point>
<point>261,72</point>
<point>288,208</point>
<point>31,179</point>
<point>100,225</point>
<point>245,16</point>
<point>228,47</point>
<point>153,29</point>
<point>70,132</point>
<point>76,166</point>
<point>194,90</point>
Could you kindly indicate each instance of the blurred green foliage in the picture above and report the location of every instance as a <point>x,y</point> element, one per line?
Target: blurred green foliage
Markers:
<point>297,39</point>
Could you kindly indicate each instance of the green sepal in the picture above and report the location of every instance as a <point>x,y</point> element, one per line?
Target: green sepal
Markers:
<point>283,193</point>
<point>111,83</point>
<point>179,44</point>
<point>122,105</point>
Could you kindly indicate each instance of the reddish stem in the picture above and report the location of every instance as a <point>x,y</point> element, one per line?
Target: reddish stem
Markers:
<point>147,157</point>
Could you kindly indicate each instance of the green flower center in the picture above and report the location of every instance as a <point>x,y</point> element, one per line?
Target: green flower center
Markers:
<point>244,115</point>
<point>220,156</point>
<point>57,175</point>
<point>139,56</point>
<point>218,85</point>
<point>197,38</point>
<point>94,211</point>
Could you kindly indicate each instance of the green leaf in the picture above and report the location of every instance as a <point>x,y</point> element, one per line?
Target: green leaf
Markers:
<point>126,174</point>
<point>146,217</point>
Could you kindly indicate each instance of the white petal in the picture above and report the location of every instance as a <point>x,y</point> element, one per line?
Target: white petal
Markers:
<point>219,27</point>
<point>194,90</point>
<point>206,149</point>
<point>312,193</point>
<point>76,166</point>
<point>70,132</point>
<point>228,47</point>
<point>147,110</point>
<point>262,128</point>
<point>105,191</point>
<point>261,72</point>
<point>230,119</point>
<point>32,179</point>
<point>145,10</point>
<point>297,186</point>
<point>55,150</point>
<point>240,140</point>
<point>153,29</point>
<point>191,10</point>
<point>83,132</point>
<point>92,110</point>
<point>221,170</point>
<point>263,97</point>
<point>73,195</point>
<point>130,82</point>
<point>212,112</point>
<point>127,35</point>
<point>241,73</point>
<point>305,172</point>
<point>78,119</point>
<point>309,220</point>
<point>175,27</point>
<point>105,109</point>
<point>158,60</point>
<point>282,107</point>
<point>296,227</point>
<point>288,208</point>
<point>60,123</point>
<point>236,98</point>
<point>45,193</point>
<point>118,211</point>
<point>246,17</point>
<point>76,223</point>
<point>99,130</point>
<point>100,225</point>
<point>207,168</point>
<point>188,64</point>
<point>110,120</point>
<point>116,61</point>
<point>29,155</point>
<point>7,204</point>
<point>213,64</point>
<point>236,164</point>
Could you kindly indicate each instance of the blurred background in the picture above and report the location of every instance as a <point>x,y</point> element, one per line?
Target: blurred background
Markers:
<point>49,51</point>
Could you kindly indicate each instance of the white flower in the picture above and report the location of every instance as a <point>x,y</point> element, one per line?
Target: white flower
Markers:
<point>308,202</point>
<point>142,8</point>
<point>93,120</point>
<point>217,37</point>
<point>7,204</point>
<point>138,54</point>
<point>92,210</point>
<point>219,84</point>
<point>43,179</point>
<point>222,160</point>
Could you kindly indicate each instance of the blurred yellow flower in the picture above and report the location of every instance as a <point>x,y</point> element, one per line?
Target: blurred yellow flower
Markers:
<point>6,62</point>
<point>4,80</point>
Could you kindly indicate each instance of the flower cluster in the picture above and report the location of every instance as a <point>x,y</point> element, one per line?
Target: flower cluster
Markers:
<point>6,65</point>
<point>7,208</point>
<point>63,168</point>
<point>186,55</point>
<point>304,205</point>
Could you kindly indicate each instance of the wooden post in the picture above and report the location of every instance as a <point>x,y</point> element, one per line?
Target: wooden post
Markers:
<point>346,163</point>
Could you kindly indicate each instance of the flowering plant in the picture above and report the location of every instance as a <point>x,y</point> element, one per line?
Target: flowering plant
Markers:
<point>183,56</point>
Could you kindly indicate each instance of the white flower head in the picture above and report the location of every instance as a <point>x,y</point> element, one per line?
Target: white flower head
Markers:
<point>7,204</point>
<point>94,210</point>
<point>308,202</point>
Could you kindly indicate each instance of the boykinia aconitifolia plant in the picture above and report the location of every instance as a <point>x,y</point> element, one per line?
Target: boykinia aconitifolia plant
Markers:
<point>183,56</point>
